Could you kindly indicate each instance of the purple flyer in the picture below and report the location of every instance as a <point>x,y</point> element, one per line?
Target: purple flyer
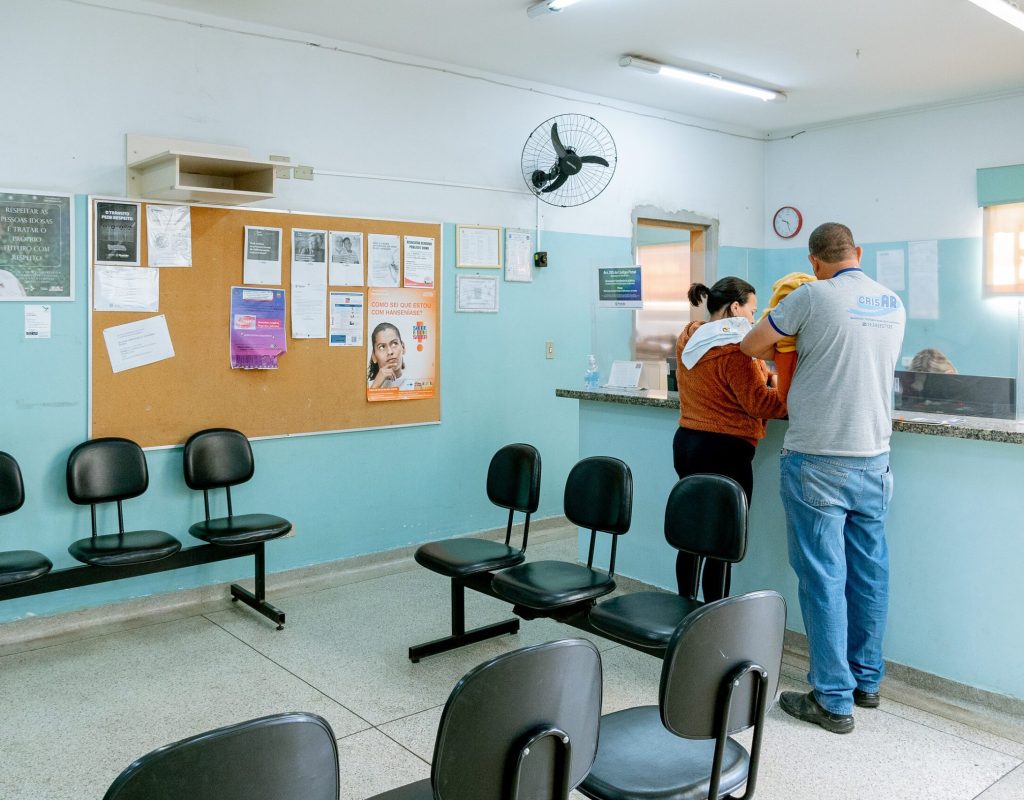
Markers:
<point>257,327</point>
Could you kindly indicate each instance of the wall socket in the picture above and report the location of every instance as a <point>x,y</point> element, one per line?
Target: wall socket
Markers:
<point>549,349</point>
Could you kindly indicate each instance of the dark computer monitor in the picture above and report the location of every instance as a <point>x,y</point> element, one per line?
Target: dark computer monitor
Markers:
<point>963,395</point>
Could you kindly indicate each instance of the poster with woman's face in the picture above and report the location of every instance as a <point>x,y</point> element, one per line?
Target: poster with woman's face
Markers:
<point>401,345</point>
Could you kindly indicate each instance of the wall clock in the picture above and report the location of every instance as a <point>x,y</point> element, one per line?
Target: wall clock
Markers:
<point>787,222</point>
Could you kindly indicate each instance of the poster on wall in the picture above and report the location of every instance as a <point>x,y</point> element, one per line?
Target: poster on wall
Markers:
<point>117,233</point>
<point>36,246</point>
<point>257,327</point>
<point>419,262</point>
<point>385,260</point>
<point>262,263</point>
<point>346,258</point>
<point>619,287</point>
<point>346,319</point>
<point>169,236</point>
<point>401,347</point>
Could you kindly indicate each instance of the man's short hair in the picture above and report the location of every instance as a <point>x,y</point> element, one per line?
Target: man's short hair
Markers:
<point>832,242</point>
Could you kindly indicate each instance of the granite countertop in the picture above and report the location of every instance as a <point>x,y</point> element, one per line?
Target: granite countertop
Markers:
<point>979,428</point>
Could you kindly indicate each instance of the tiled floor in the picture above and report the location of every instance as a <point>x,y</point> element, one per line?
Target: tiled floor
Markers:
<point>76,711</point>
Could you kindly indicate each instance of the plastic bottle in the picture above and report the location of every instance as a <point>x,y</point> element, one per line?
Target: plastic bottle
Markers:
<point>591,377</point>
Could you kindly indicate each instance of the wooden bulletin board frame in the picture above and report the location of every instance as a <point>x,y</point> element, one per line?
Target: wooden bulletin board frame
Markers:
<point>316,388</point>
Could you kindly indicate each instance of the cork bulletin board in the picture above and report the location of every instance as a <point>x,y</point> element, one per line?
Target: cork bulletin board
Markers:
<point>316,388</point>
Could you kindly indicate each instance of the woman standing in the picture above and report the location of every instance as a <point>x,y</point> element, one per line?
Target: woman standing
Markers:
<point>724,398</point>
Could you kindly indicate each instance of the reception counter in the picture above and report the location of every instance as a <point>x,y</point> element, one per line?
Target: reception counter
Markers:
<point>955,532</point>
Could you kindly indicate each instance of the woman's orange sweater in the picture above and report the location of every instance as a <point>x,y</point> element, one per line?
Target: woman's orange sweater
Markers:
<point>725,392</point>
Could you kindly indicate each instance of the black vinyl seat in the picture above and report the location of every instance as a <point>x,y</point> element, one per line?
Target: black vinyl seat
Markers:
<point>718,678</point>
<point>706,516</point>
<point>521,726</point>
<point>113,470</point>
<point>513,482</point>
<point>219,458</point>
<point>282,756</point>
<point>17,566</point>
<point>598,496</point>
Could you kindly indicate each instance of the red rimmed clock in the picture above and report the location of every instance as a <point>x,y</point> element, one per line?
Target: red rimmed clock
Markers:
<point>787,222</point>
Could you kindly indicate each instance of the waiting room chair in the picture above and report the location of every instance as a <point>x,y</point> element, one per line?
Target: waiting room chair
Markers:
<point>17,566</point>
<point>113,470</point>
<point>718,678</point>
<point>219,458</point>
<point>513,482</point>
<point>279,757</point>
<point>598,496</point>
<point>522,726</point>
<point>706,516</point>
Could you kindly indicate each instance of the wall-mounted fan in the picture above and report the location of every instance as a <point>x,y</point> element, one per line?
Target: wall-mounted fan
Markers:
<point>569,159</point>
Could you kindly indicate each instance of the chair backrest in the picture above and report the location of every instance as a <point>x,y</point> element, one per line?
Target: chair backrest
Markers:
<point>599,495</point>
<point>12,489</point>
<point>281,756</point>
<point>707,515</point>
<point>498,709</point>
<point>216,458</point>
<point>708,647</point>
<point>513,478</point>
<point>105,470</point>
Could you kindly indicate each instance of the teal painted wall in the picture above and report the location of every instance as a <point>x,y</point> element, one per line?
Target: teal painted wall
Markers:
<point>347,494</point>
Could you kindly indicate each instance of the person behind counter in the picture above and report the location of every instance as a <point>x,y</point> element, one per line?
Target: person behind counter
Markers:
<point>724,398</point>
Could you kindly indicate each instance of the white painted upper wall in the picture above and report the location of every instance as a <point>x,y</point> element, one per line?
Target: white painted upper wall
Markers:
<point>89,75</point>
<point>901,178</point>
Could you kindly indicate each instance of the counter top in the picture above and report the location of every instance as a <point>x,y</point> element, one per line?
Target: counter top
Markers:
<point>978,428</point>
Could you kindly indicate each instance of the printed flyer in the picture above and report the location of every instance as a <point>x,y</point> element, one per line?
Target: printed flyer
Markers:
<point>36,246</point>
<point>402,344</point>
<point>257,327</point>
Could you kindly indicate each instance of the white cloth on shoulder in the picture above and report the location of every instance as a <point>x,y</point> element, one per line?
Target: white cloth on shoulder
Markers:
<point>717,333</point>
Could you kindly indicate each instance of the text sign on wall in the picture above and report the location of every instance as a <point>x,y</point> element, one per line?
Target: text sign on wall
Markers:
<point>36,249</point>
<point>619,287</point>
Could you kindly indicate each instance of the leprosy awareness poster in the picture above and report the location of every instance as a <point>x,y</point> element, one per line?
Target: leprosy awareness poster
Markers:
<point>401,347</point>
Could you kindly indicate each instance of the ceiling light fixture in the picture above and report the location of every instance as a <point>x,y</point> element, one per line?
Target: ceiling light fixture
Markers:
<point>712,79</point>
<point>548,7</point>
<point>1006,10</point>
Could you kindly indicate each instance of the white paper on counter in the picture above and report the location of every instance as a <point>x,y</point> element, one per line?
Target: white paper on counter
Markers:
<point>126,289</point>
<point>136,344</point>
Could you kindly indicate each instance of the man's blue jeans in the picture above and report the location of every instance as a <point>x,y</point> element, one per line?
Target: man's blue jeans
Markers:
<point>835,518</point>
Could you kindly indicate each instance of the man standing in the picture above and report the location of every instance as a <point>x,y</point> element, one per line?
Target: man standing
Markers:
<point>835,477</point>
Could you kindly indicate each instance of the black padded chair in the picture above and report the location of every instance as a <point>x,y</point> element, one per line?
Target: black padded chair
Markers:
<point>272,758</point>
<point>219,458</point>
<point>598,496</point>
<point>17,566</point>
<point>718,678</point>
<point>706,516</point>
<point>522,726</point>
<point>513,482</point>
<point>113,470</point>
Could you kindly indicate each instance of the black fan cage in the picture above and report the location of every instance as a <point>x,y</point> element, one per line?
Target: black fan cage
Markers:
<point>584,136</point>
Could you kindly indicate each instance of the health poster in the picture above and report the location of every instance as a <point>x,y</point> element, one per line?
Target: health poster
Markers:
<point>257,327</point>
<point>401,349</point>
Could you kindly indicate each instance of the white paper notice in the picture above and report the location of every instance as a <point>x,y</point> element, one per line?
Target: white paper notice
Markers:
<point>138,343</point>
<point>889,269</point>
<point>37,322</point>
<point>346,319</point>
<point>518,255</point>
<point>346,260</point>
<point>476,293</point>
<point>419,262</point>
<point>169,235</point>
<point>479,247</point>
<point>385,260</point>
<point>262,256</point>
<point>923,272</point>
<point>309,300</point>
<point>126,289</point>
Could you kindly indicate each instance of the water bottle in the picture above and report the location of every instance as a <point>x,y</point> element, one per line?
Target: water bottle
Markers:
<point>591,377</point>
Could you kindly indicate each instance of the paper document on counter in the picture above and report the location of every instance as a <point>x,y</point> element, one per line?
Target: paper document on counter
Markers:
<point>624,375</point>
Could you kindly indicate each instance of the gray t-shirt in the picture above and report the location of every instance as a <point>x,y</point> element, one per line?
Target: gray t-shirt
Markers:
<point>849,331</point>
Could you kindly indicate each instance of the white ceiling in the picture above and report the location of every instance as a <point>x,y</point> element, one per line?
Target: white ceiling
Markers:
<point>833,59</point>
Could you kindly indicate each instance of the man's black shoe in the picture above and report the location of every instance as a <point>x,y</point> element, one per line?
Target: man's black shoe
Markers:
<point>807,708</point>
<point>866,699</point>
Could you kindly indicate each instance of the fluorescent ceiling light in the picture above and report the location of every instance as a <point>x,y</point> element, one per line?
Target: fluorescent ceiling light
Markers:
<point>548,7</point>
<point>710,79</point>
<point>1006,10</point>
